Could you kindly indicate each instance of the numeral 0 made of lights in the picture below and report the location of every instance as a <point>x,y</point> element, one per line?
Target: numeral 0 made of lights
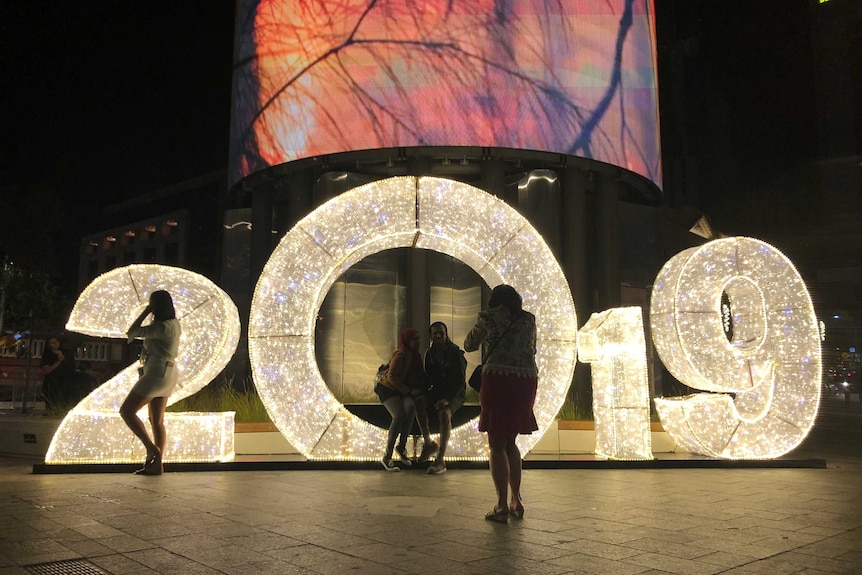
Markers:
<point>769,361</point>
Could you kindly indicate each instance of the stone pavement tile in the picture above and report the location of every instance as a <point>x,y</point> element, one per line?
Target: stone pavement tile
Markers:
<point>598,524</point>
<point>485,539</point>
<point>413,538</point>
<point>163,561</point>
<point>854,557</point>
<point>537,537</point>
<point>612,537</point>
<point>5,560</point>
<point>726,559</point>
<point>8,521</point>
<point>674,564</point>
<point>252,518</point>
<point>664,547</point>
<point>125,543</point>
<point>224,555</point>
<point>263,541</point>
<point>331,539</point>
<point>822,531</point>
<point>270,567</point>
<point>789,563</point>
<point>582,563</point>
<point>121,565</point>
<point>96,530</point>
<point>187,541</point>
<point>534,552</point>
<point>666,521</point>
<point>460,551</point>
<point>720,539</point>
<point>771,546</point>
<point>329,562</point>
<point>641,531</point>
<point>517,564</point>
<point>21,533</point>
<point>384,554</point>
<point>231,529</point>
<point>194,518</point>
<point>435,565</point>
<point>829,547</point>
<point>121,520</point>
<point>821,563</point>
<point>360,525</point>
<point>598,549</point>
<point>87,547</point>
<point>157,530</point>
<point>37,551</point>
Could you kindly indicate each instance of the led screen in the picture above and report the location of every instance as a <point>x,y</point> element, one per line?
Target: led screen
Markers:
<point>316,77</point>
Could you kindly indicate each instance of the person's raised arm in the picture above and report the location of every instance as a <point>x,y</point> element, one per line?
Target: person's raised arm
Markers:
<point>134,329</point>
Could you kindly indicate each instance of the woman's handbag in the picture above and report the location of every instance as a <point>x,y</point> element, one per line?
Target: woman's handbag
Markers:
<point>475,380</point>
<point>383,393</point>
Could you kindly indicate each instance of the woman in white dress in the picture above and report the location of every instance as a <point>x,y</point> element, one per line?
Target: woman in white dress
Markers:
<point>158,376</point>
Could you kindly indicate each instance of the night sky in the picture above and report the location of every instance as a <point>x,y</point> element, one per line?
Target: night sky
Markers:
<point>108,99</point>
<point>105,100</point>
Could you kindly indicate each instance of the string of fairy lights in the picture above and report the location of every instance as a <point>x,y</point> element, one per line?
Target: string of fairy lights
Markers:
<point>732,318</point>
<point>426,213</point>
<point>92,431</point>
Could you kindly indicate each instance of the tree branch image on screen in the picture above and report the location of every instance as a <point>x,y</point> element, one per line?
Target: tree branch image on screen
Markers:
<point>321,77</point>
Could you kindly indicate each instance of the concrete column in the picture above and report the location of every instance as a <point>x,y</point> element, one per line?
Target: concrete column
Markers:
<point>493,181</point>
<point>301,197</point>
<point>261,229</point>
<point>418,294</point>
<point>573,239</point>
<point>607,285</point>
<point>539,202</point>
<point>575,263</point>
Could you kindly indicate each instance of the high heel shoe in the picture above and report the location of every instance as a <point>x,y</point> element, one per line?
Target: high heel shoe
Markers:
<point>152,466</point>
<point>498,515</point>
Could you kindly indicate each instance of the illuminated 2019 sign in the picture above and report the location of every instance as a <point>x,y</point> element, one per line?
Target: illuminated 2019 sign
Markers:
<point>317,77</point>
<point>771,364</point>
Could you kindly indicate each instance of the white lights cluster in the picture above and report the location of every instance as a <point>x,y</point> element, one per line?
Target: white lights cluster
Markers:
<point>613,343</point>
<point>429,213</point>
<point>771,363</point>
<point>93,432</point>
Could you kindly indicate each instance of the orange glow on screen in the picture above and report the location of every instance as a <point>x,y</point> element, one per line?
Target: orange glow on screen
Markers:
<point>321,77</point>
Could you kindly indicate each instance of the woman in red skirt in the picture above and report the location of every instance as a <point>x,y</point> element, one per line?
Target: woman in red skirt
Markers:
<point>508,392</point>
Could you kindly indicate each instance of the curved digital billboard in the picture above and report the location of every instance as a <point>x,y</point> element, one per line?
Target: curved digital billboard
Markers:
<point>316,77</point>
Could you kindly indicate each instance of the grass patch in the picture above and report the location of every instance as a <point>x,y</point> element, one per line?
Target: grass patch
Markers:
<point>574,410</point>
<point>224,395</point>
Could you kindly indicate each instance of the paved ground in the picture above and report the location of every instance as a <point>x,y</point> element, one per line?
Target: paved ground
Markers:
<point>685,521</point>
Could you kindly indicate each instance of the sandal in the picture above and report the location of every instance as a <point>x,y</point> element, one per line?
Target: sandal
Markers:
<point>152,466</point>
<point>516,509</point>
<point>498,515</point>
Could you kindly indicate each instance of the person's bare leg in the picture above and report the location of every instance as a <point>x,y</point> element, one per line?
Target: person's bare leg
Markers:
<point>499,463</point>
<point>422,418</point>
<point>514,456</point>
<point>157,420</point>
<point>445,431</point>
<point>129,412</point>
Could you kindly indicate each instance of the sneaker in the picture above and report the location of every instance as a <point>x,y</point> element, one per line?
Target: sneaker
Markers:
<point>428,451</point>
<point>402,455</point>
<point>388,465</point>
<point>437,468</point>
